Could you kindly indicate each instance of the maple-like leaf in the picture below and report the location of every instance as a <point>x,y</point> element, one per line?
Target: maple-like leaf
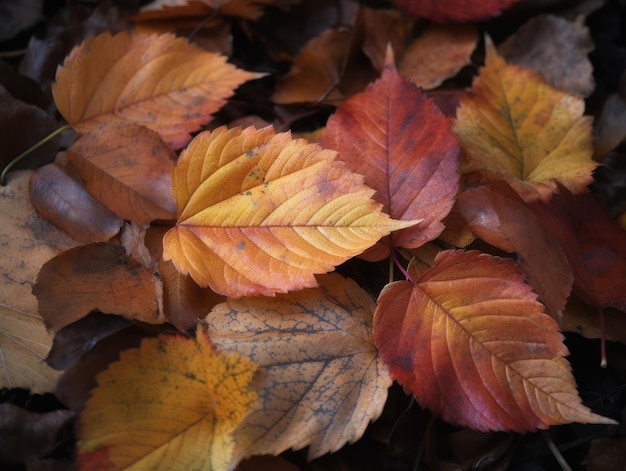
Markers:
<point>454,10</point>
<point>65,203</point>
<point>163,9</point>
<point>27,242</point>
<point>160,81</point>
<point>127,167</point>
<point>170,404</point>
<point>96,276</point>
<point>260,213</point>
<point>324,381</point>
<point>515,127</point>
<point>469,339</point>
<point>399,140</point>
<point>498,216</point>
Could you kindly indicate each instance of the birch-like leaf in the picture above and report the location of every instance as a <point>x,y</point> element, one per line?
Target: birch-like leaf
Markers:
<point>260,213</point>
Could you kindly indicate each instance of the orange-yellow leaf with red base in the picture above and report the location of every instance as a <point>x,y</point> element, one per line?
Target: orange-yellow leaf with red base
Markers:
<point>469,339</point>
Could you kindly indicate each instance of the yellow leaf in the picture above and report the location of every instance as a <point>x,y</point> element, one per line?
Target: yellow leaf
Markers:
<point>160,81</point>
<point>260,213</point>
<point>324,379</point>
<point>515,127</point>
<point>27,242</point>
<point>170,404</point>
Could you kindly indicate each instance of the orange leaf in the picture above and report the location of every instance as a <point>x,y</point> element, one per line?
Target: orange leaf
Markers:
<point>162,82</point>
<point>96,276</point>
<point>469,339</point>
<point>170,404</point>
<point>127,167</point>
<point>516,127</point>
<point>27,242</point>
<point>324,380</point>
<point>395,136</point>
<point>454,10</point>
<point>260,213</point>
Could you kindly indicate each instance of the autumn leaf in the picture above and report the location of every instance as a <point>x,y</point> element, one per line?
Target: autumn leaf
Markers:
<point>469,339</point>
<point>127,167</point>
<point>250,9</point>
<point>397,138</point>
<point>260,213</point>
<point>516,127</point>
<point>170,404</point>
<point>65,203</point>
<point>324,381</point>
<point>27,242</point>
<point>498,216</point>
<point>160,81</point>
<point>454,10</point>
<point>96,277</point>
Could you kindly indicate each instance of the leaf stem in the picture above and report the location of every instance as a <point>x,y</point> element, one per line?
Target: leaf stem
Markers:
<point>555,451</point>
<point>400,267</point>
<point>202,24</point>
<point>603,361</point>
<point>11,164</point>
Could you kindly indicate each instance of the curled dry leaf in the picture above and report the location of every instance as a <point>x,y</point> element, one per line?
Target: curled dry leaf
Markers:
<point>324,381</point>
<point>160,81</point>
<point>469,339</point>
<point>27,242</point>
<point>399,140</point>
<point>96,277</point>
<point>173,403</point>
<point>515,127</point>
<point>127,167</point>
<point>66,204</point>
<point>454,10</point>
<point>260,213</point>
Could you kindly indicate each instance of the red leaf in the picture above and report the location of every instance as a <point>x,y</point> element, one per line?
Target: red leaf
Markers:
<point>454,10</point>
<point>399,140</point>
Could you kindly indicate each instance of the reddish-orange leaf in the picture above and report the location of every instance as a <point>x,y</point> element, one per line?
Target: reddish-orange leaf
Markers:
<point>260,213</point>
<point>469,339</point>
<point>173,403</point>
<point>498,216</point>
<point>66,204</point>
<point>594,244</point>
<point>398,139</point>
<point>515,127</point>
<point>160,81</point>
<point>454,10</point>
<point>127,167</point>
<point>324,381</point>
<point>96,276</point>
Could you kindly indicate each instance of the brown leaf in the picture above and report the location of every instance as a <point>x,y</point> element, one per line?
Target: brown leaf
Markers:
<point>27,242</point>
<point>127,167</point>
<point>555,48</point>
<point>324,382</point>
<point>381,28</point>
<point>28,435</point>
<point>66,204</point>
<point>95,277</point>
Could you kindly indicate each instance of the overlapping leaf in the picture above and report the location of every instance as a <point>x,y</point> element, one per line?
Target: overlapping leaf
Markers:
<point>250,9</point>
<point>454,10</point>
<point>398,139</point>
<point>27,242</point>
<point>170,404</point>
<point>127,167</point>
<point>469,339</point>
<point>516,127</point>
<point>260,213</point>
<point>162,82</point>
<point>324,380</point>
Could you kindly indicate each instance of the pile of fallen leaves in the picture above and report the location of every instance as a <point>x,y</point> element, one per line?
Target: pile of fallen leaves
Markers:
<point>283,227</point>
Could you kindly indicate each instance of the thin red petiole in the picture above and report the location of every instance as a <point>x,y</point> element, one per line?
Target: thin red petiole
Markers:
<point>400,267</point>
<point>603,361</point>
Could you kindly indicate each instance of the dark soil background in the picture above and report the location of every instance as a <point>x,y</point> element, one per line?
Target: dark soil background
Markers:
<point>36,35</point>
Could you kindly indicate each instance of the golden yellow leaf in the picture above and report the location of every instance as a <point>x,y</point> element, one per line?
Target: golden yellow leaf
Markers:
<point>515,127</point>
<point>260,213</point>
<point>170,404</point>
<point>27,242</point>
<point>160,81</point>
<point>324,380</point>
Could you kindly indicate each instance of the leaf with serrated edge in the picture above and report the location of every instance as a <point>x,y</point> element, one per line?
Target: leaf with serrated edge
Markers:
<point>260,213</point>
<point>324,381</point>
<point>469,339</point>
